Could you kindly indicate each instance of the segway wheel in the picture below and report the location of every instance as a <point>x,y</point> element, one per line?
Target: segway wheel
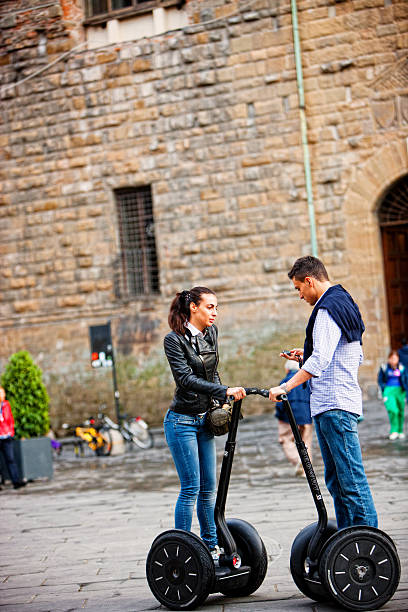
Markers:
<point>180,570</point>
<point>360,568</point>
<point>252,552</point>
<point>310,585</point>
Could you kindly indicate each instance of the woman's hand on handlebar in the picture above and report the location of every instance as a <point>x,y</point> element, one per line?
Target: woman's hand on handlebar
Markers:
<point>236,392</point>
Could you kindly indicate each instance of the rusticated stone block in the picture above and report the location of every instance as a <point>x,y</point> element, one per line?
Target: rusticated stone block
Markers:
<point>190,248</point>
<point>104,57</point>
<point>104,285</point>
<point>71,301</point>
<point>26,306</point>
<point>256,161</point>
<point>85,262</point>
<point>216,206</point>
<point>141,65</point>
<point>86,286</point>
<point>116,70</point>
<point>20,282</point>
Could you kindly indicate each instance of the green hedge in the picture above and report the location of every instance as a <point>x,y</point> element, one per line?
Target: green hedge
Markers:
<point>22,381</point>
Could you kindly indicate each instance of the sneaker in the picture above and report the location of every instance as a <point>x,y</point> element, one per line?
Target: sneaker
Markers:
<point>401,436</point>
<point>393,436</point>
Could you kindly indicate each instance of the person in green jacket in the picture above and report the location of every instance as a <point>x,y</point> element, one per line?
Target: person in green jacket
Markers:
<point>393,381</point>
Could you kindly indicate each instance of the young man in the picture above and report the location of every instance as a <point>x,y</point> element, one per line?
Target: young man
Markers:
<point>331,357</point>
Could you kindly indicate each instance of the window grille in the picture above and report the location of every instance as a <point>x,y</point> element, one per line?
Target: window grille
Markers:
<point>95,8</point>
<point>394,207</point>
<point>136,268</point>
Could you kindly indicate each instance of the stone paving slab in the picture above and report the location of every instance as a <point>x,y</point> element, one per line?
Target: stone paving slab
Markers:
<point>83,547</point>
<point>99,564</point>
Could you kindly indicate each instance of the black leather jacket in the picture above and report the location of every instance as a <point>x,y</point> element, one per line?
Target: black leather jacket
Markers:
<point>193,362</point>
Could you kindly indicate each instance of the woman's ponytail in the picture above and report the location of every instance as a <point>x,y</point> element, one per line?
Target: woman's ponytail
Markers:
<point>180,312</point>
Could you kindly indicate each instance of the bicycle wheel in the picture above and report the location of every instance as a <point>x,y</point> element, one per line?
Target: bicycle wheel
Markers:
<point>140,433</point>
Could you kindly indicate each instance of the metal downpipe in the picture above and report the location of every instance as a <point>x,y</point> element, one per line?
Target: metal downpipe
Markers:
<point>303,129</point>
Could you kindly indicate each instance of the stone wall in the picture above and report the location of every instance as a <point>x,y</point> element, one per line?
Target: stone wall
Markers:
<point>208,116</point>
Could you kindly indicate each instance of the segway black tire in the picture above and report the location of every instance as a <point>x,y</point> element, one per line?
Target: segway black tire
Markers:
<point>360,568</point>
<point>180,570</point>
<point>311,586</point>
<point>251,549</point>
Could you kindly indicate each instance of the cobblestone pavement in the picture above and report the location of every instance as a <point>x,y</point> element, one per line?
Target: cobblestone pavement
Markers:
<point>80,540</point>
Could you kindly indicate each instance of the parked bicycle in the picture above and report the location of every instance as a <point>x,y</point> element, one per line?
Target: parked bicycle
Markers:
<point>133,430</point>
<point>98,438</point>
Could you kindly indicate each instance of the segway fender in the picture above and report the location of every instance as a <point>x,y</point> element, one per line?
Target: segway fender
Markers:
<point>359,527</point>
<point>249,533</point>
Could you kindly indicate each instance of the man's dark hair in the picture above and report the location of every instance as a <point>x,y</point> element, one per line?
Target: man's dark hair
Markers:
<point>308,266</point>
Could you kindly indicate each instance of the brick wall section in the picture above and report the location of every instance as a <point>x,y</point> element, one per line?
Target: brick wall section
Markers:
<point>207,116</point>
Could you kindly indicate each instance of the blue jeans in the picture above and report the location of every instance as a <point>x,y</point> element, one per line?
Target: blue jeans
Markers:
<point>344,474</point>
<point>193,449</point>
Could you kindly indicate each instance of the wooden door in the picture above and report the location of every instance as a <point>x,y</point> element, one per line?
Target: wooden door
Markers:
<point>395,250</point>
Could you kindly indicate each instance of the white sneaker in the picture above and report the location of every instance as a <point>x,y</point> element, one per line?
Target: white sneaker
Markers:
<point>401,436</point>
<point>394,436</point>
<point>216,553</point>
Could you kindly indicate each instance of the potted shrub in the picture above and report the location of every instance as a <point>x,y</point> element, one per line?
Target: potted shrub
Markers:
<point>22,381</point>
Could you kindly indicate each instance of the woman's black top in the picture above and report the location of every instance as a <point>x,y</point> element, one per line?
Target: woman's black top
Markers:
<point>193,361</point>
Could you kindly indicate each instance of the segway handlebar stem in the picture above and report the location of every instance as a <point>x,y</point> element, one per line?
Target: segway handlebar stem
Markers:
<point>315,543</point>
<point>224,534</point>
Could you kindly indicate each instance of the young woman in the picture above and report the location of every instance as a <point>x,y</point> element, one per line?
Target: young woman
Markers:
<point>192,352</point>
<point>393,381</point>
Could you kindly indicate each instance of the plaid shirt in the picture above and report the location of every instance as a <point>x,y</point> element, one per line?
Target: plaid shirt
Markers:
<point>334,366</point>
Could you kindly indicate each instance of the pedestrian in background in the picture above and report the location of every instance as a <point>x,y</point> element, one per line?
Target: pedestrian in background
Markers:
<point>331,357</point>
<point>6,440</point>
<point>192,352</point>
<point>299,399</point>
<point>393,382</point>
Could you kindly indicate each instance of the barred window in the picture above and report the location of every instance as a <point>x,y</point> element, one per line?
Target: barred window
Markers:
<point>136,269</point>
<point>115,8</point>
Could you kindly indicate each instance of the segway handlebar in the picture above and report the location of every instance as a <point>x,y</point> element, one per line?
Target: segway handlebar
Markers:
<point>256,391</point>
<point>263,392</point>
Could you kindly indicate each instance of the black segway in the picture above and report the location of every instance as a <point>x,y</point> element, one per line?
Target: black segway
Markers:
<point>357,567</point>
<point>179,567</point>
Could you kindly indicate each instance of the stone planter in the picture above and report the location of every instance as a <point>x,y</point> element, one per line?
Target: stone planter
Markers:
<point>33,457</point>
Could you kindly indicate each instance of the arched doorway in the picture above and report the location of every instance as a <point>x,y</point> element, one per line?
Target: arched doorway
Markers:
<point>393,219</point>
